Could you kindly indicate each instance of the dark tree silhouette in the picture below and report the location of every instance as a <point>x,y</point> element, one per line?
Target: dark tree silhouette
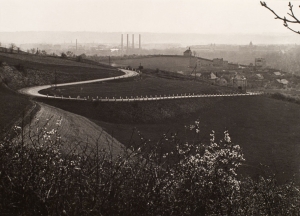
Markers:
<point>12,47</point>
<point>287,22</point>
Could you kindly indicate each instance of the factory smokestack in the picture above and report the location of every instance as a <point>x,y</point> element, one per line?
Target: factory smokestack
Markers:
<point>132,41</point>
<point>127,44</point>
<point>140,41</point>
<point>121,44</point>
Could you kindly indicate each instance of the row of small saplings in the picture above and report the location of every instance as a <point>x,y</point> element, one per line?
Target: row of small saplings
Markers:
<point>156,97</point>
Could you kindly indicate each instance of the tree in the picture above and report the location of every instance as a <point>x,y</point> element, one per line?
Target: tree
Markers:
<point>69,54</point>
<point>32,50</point>
<point>44,52</point>
<point>63,55</point>
<point>12,47</point>
<point>79,58</point>
<point>287,22</point>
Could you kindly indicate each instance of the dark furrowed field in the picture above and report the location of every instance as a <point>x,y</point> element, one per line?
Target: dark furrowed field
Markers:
<point>266,129</point>
<point>149,85</point>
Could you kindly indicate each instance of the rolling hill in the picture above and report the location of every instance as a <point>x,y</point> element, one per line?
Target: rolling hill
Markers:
<point>266,129</point>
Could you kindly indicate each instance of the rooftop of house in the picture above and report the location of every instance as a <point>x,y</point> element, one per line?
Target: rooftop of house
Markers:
<point>277,73</point>
<point>259,76</point>
<point>283,81</point>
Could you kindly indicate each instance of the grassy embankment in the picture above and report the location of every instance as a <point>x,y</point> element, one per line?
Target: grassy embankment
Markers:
<point>267,129</point>
<point>12,107</point>
<point>77,132</point>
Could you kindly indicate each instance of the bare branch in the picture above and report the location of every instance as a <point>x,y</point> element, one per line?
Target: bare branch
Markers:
<point>284,19</point>
<point>292,13</point>
<point>279,17</point>
<point>295,31</point>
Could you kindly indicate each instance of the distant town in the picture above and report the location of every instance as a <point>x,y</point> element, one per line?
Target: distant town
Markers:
<point>110,49</point>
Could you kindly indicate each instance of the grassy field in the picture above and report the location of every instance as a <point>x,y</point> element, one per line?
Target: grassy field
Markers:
<point>12,107</point>
<point>267,129</point>
<point>14,58</point>
<point>168,63</point>
<point>149,85</point>
<point>47,70</point>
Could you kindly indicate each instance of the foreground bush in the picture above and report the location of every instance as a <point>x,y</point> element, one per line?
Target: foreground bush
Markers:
<point>41,175</point>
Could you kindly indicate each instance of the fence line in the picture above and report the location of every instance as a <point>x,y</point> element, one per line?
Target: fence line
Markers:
<point>156,97</point>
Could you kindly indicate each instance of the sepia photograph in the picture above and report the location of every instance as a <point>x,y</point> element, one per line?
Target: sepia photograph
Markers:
<point>149,107</point>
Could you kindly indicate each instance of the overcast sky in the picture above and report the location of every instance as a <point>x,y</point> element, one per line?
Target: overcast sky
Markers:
<point>166,16</point>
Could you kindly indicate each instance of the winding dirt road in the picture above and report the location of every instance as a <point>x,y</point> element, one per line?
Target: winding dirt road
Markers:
<point>34,91</point>
<point>77,132</point>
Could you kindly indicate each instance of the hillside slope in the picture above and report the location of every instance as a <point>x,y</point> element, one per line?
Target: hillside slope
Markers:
<point>12,107</point>
<point>266,129</point>
<point>75,131</point>
<point>21,70</point>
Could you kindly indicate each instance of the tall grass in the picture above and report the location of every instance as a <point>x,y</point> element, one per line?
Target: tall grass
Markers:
<point>41,175</point>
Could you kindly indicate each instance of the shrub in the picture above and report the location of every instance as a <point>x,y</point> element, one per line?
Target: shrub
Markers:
<point>79,58</point>
<point>63,55</point>
<point>42,175</point>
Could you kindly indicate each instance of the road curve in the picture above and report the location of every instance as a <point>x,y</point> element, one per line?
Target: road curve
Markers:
<point>34,91</point>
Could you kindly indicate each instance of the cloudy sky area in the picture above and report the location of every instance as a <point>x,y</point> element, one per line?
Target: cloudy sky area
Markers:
<point>167,16</point>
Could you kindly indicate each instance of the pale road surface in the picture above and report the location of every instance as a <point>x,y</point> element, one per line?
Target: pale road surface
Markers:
<point>34,91</point>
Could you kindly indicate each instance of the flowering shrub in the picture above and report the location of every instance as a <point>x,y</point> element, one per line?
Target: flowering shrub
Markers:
<point>42,175</point>
<point>206,176</point>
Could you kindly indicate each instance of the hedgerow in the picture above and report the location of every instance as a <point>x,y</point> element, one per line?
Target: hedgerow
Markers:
<point>42,175</point>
